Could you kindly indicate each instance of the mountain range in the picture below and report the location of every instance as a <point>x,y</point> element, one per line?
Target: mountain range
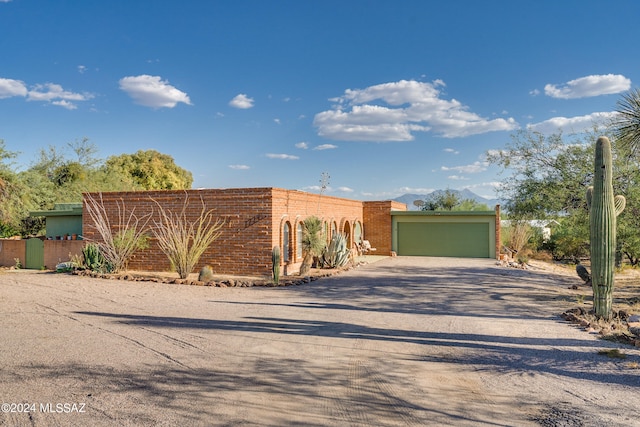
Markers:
<point>408,198</point>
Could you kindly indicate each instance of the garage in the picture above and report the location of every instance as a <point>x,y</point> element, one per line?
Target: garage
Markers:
<point>445,234</point>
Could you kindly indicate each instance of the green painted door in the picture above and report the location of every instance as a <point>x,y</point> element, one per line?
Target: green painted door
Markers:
<point>35,254</point>
<point>447,239</point>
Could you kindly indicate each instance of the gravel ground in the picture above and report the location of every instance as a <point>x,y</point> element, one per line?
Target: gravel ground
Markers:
<point>405,341</point>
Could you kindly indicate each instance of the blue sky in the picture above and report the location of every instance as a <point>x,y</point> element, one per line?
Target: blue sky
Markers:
<point>387,97</point>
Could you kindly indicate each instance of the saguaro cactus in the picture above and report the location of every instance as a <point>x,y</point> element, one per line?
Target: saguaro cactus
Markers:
<point>603,210</point>
<point>275,264</point>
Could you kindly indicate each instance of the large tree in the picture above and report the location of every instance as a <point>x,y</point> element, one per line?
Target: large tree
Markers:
<point>547,177</point>
<point>61,175</point>
<point>150,170</point>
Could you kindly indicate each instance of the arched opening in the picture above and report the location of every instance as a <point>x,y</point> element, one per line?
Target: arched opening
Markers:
<point>347,233</point>
<point>286,242</point>
<point>299,232</point>
<point>357,233</point>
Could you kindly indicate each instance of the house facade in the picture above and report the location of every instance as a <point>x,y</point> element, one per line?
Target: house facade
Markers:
<point>255,220</point>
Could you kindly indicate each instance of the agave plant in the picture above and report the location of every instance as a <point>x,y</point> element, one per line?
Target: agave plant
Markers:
<point>337,254</point>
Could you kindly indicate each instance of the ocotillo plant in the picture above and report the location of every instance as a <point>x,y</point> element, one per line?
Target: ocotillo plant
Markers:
<point>603,210</point>
<point>275,264</point>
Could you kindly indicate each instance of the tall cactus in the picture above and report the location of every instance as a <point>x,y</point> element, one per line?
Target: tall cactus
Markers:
<point>275,264</point>
<point>603,210</point>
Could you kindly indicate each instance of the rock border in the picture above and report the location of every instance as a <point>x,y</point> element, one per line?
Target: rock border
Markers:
<point>225,283</point>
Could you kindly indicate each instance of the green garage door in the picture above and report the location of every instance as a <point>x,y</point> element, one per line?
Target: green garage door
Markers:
<point>448,239</point>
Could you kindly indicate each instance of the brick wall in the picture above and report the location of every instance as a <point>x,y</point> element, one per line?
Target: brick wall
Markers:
<point>57,251</point>
<point>377,223</point>
<point>292,207</point>
<point>11,249</point>
<point>254,221</point>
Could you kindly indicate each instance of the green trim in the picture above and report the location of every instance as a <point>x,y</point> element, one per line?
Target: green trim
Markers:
<point>61,209</point>
<point>444,213</point>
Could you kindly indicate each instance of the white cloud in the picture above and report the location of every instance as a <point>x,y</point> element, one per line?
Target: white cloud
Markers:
<point>239,167</point>
<point>325,147</point>
<point>65,104</point>
<point>82,69</point>
<point>48,92</point>
<point>413,190</point>
<point>475,167</point>
<point>54,93</point>
<point>276,121</point>
<point>152,91</point>
<point>451,150</point>
<point>594,85</point>
<point>458,178</point>
<point>576,124</point>
<point>302,145</point>
<point>346,189</point>
<point>282,156</point>
<point>241,101</point>
<point>534,92</point>
<point>10,88</point>
<point>407,107</point>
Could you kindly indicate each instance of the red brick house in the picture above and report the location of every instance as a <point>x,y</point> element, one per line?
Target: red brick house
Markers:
<point>255,220</point>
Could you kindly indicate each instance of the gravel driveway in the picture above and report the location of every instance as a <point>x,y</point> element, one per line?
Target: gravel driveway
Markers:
<point>405,341</point>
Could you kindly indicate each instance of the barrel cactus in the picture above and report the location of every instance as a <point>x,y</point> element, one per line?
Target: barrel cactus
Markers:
<point>275,264</point>
<point>206,274</point>
<point>337,254</point>
<point>603,210</point>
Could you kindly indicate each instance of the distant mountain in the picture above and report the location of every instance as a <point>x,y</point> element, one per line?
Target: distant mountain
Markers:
<point>408,199</point>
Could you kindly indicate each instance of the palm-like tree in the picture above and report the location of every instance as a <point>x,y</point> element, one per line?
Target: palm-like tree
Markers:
<point>313,242</point>
<point>627,123</point>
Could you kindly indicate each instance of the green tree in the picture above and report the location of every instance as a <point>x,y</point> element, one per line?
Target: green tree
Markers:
<point>548,175</point>
<point>444,200</point>
<point>150,170</point>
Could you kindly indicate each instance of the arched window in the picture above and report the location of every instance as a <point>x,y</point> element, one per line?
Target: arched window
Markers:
<point>357,233</point>
<point>299,241</point>
<point>286,242</point>
<point>347,233</point>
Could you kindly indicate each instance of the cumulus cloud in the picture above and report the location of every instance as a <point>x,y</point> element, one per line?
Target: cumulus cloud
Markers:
<point>588,86</point>
<point>451,150</point>
<point>48,92</point>
<point>52,92</point>
<point>10,88</point>
<point>152,91</point>
<point>325,147</point>
<point>395,111</point>
<point>476,167</point>
<point>414,190</point>
<point>241,101</point>
<point>302,145</point>
<point>282,156</point>
<point>576,124</point>
<point>239,167</point>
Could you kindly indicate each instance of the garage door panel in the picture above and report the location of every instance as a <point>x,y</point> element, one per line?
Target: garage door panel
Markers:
<point>443,239</point>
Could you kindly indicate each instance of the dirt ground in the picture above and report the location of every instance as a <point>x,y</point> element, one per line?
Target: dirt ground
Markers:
<point>405,341</point>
